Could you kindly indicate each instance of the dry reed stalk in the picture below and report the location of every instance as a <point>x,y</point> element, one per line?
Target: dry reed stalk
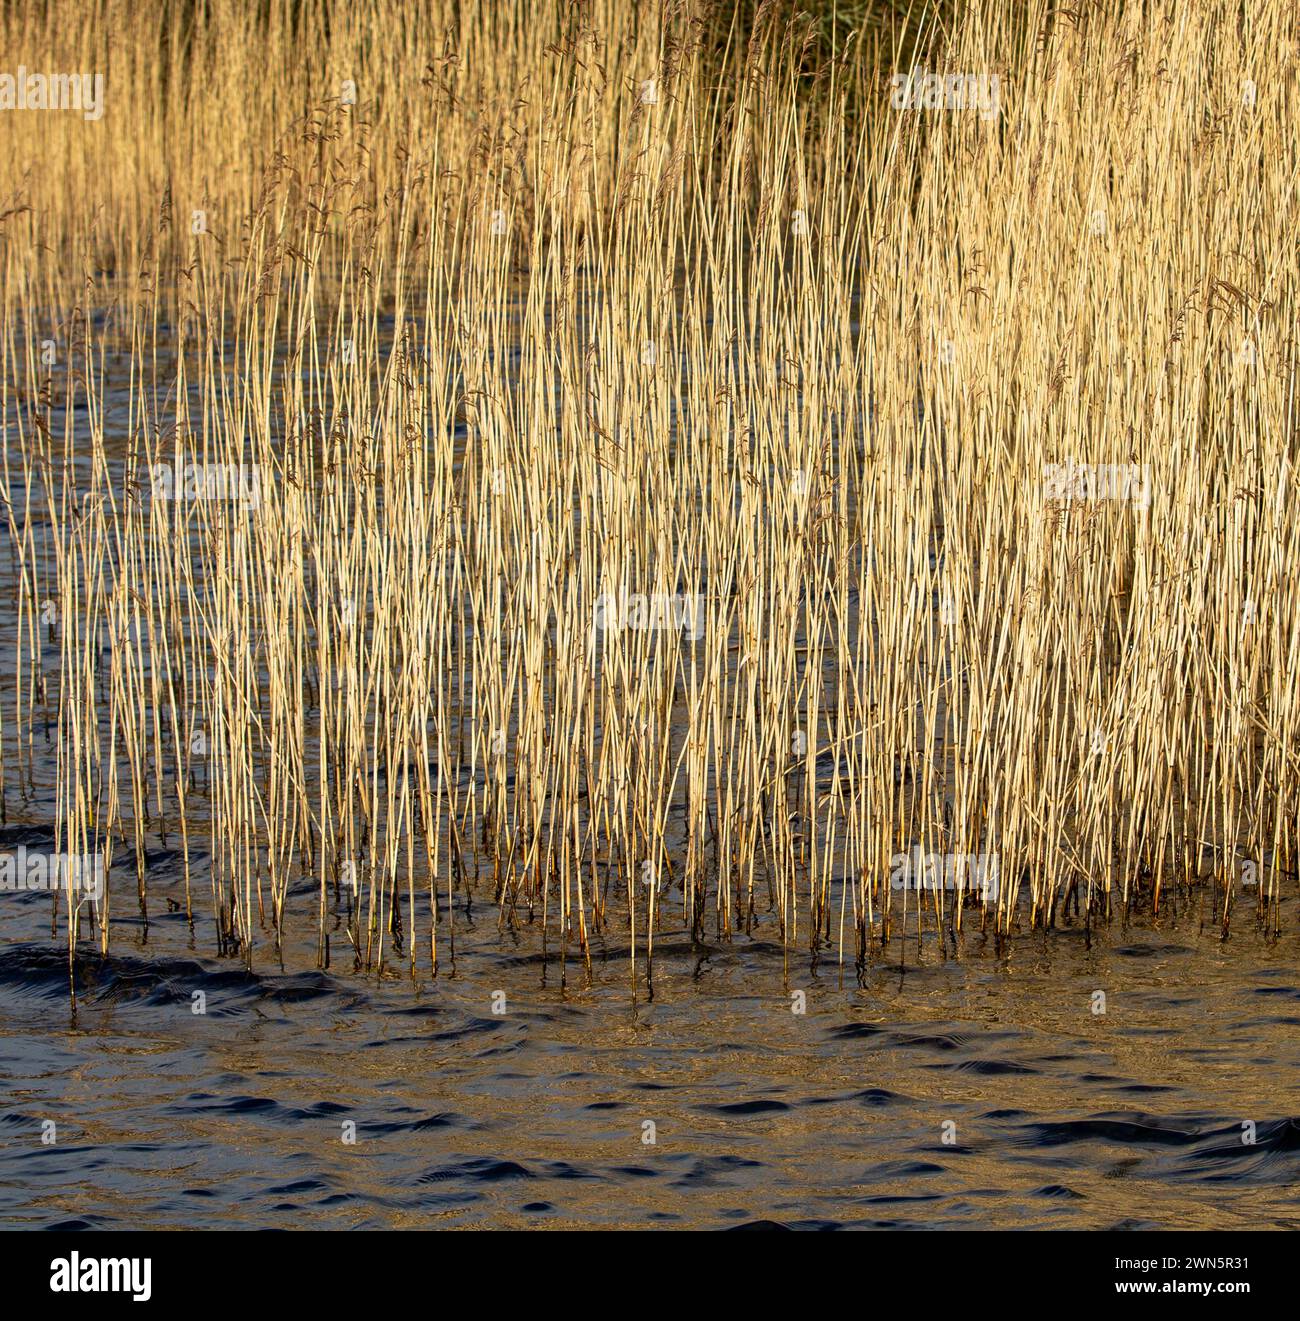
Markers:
<point>522,316</point>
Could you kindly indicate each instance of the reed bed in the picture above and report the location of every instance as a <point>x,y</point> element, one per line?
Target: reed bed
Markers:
<point>621,437</point>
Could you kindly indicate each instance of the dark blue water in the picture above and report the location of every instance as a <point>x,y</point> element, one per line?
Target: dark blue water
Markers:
<point>980,1090</point>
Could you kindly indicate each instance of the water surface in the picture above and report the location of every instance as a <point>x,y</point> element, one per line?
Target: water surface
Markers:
<point>980,1090</point>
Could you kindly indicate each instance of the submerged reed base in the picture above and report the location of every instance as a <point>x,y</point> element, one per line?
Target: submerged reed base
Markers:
<point>653,468</point>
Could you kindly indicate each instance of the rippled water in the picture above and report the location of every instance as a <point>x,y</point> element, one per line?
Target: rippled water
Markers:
<point>975,1090</point>
<point>536,1116</point>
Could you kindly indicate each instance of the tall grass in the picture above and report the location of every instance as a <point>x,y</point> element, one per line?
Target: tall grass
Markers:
<point>516,309</point>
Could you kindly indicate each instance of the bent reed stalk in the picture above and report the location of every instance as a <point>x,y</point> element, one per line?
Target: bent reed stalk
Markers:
<point>595,456</point>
